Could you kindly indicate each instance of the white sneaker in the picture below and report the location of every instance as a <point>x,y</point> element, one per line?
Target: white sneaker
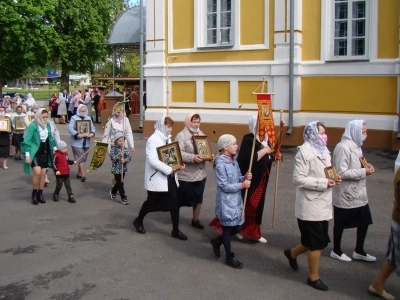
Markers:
<point>342,257</point>
<point>362,257</point>
<point>262,240</point>
<point>239,236</point>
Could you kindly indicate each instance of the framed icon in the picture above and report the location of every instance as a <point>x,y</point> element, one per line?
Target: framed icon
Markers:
<point>364,162</point>
<point>24,107</point>
<point>170,155</point>
<point>83,127</point>
<point>5,125</point>
<point>19,123</point>
<point>330,173</point>
<point>265,110</point>
<point>30,118</point>
<point>202,147</point>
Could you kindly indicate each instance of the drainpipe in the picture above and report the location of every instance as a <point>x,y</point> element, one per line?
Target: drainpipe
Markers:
<point>141,63</point>
<point>291,67</point>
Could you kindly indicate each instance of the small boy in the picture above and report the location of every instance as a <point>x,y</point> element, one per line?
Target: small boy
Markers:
<point>61,168</point>
<point>229,206</point>
<point>120,157</point>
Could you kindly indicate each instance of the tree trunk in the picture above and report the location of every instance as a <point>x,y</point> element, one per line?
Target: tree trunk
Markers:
<point>64,77</point>
<point>1,84</point>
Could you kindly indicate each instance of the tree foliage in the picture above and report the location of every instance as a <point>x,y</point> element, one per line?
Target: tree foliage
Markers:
<point>26,36</point>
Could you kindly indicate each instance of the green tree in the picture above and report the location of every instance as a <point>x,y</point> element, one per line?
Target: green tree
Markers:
<point>83,27</point>
<point>26,37</point>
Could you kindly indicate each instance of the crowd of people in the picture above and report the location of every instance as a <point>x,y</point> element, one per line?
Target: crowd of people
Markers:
<point>320,195</point>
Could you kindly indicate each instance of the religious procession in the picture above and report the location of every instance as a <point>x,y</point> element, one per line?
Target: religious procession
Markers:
<point>327,185</point>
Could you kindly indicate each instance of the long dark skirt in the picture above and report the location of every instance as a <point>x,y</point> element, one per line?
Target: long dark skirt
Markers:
<point>164,201</point>
<point>17,139</point>
<point>352,217</point>
<point>191,193</point>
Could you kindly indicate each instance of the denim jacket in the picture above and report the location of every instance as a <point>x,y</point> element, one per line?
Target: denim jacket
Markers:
<point>229,205</point>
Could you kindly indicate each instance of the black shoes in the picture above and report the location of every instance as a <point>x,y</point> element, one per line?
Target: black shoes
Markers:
<point>292,262</point>
<point>55,198</point>
<point>178,235</point>
<point>139,227</point>
<point>317,284</point>
<point>40,197</point>
<point>83,179</point>
<point>34,198</point>
<point>197,224</point>
<point>216,244</point>
<point>71,199</point>
<point>233,262</point>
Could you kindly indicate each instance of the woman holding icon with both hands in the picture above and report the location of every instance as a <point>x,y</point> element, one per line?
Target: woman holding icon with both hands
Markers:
<point>313,208</point>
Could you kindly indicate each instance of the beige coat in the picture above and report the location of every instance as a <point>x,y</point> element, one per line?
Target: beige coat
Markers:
<point>352,192</point>
<point>313,197</point>
<point>193,171</point>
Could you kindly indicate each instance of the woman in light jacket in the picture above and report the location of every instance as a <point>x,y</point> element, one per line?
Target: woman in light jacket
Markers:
<point>192,180</point>
<point>313,208</point>
<point>80,143</point>
<point>160,181</point>
<point>350,200</point>
<point>62,107</point>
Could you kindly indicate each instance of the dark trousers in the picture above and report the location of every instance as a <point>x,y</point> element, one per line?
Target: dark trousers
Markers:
<point>69,115</point>
<point>225,237</point>
<point>118,186</point>
<point>146,208</point>
<point>97,114</point>
<point>60,179</point>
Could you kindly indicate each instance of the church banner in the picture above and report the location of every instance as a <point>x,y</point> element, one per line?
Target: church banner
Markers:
<point>99,155</point>
<point>265,118</point>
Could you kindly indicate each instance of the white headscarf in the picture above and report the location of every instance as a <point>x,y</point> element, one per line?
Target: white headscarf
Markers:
<point>353,131</point>
<point>30,100</point>
<point>160,126</point>
<point>79,108</point>
<point>253,130</point>
<point>311,135</point>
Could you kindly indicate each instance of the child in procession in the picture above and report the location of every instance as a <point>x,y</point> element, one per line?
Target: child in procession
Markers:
<point>61,164</point>
<point>229,202</point>
<point>120,157</point>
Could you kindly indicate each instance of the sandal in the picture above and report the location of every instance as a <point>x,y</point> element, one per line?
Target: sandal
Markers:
<point>83,179</point>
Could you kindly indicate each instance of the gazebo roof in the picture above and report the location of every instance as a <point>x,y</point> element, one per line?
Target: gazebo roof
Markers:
<point>126,30</point>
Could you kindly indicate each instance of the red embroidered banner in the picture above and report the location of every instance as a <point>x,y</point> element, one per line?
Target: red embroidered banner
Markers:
<point>265,118</point>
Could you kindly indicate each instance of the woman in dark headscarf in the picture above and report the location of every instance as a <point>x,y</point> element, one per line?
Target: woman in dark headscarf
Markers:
<point>80,142</point>
<point>38,147</point>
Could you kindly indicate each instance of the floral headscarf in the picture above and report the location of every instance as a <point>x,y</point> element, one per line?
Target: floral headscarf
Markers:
<point>353,131</point>
<point>311,136</point>
<point>160,126</point>
<point>252,128</point>
<point>39,118</point>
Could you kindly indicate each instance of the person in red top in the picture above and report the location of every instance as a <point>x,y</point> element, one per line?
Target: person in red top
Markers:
<point>61,167</point>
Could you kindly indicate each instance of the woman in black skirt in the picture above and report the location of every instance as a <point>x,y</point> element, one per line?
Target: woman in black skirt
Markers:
<point>313,207</point>
<point>4,138</point>
<point>160,181</point>
<point>38,146</point>
<point>350,200</point>
<point>192,180</point>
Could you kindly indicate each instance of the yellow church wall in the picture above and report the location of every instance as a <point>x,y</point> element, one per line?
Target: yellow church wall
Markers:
<point>183,24</point>
<point>311,29</point>
<point>183,91</point>
<point>245,91</point>
<point>252,33</point>
<point>349,94</point>
<point>388,29</point>
<point>216,92</point>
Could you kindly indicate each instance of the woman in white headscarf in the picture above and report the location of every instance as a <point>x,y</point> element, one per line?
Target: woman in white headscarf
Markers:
<point>160,181</point>
<point>30,101</point>
<point>313,206</point>
<point>38,147</point>
<point>80,138</point>
<point>350,200</point>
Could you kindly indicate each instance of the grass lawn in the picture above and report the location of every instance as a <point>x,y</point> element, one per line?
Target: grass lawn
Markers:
<point>41,93</point>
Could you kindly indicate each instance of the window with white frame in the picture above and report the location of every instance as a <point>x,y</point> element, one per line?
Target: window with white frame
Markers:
<point>350,29</point>
<point>219,23</point>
